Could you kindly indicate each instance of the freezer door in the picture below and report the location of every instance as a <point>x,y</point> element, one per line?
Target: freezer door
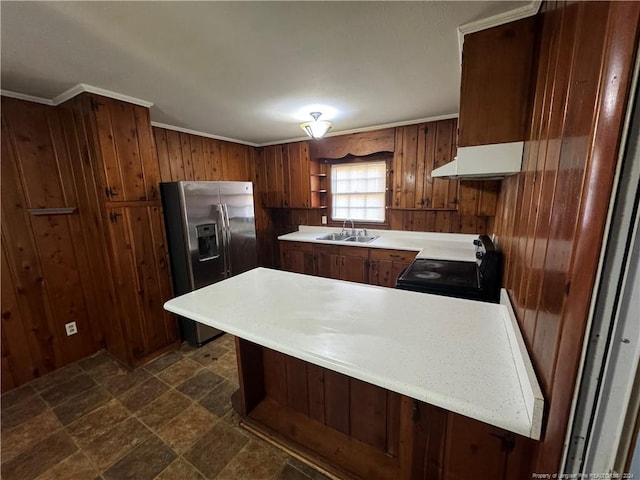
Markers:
<point>203,229</point>
<point>237,198</point>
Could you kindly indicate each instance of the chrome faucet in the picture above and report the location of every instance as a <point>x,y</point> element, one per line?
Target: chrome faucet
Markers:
<point>344,225</point>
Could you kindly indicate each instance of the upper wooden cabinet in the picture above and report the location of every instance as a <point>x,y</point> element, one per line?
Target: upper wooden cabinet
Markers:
<point>283,176</point>
<point>495,87</point>
<point>125,144</point>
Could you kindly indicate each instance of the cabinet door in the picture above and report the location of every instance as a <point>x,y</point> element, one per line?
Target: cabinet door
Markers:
<point>274,173</point>
<point>127,149</point>
<point>354,264</point>
<point>296,257</point>
<point>387,265</point>
<point>299,175</point>
<point>480,451</point>
<point>326,261</point>
<point>496,75</point>
<point>143,284</point>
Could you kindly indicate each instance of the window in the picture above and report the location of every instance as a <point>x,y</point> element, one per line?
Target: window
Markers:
<point>358,191</point>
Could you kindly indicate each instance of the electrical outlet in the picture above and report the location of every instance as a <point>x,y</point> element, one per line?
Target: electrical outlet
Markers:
<point>71,328</point>
<point>324,219</point>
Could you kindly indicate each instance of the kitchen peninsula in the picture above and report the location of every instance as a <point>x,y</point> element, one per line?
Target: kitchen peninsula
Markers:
<point>359,378</point>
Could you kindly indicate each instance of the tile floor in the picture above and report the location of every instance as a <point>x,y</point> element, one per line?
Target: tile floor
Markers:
<point>168,420</point>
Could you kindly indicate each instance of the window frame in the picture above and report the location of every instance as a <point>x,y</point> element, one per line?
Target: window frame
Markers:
<point>350,159</point>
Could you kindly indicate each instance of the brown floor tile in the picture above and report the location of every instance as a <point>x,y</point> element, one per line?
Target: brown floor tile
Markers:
<point>180,470</point>
<point>226,365</point>
<point>16,396</point>
<point>143,463</point>
<point>75,467</point>
<point>218,400</point>
<point>141,395</point>
<point>41,457</point>
<point>107,448</point>
<point>228,341</point>
<point>255,461</point>
<point>28,434</point>
<point>56,377</point>
<point>62,392</point>
<point>179,372</point>
<point>124,380</point>
<point>163,409</point>
<point>200,384</point>
<point>23,411</point>
<point>209,353</point>
<point>82,404</point>
<point>183,431</point>
<point>186,349</point>
<point>102,365</point>
<point>215,449</point>
<point>164,361</point>
<point>98,422</point>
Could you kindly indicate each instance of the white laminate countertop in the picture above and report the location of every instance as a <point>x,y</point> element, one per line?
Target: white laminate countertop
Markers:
<point>465,356</point>
<point>437,246</point>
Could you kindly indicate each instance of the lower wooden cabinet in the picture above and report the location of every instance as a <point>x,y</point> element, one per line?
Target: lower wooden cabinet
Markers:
<point>296,257</point>
<point>374,266</point>
<point>385,266</point>
<point>140,268</point>
<point>341,263</point>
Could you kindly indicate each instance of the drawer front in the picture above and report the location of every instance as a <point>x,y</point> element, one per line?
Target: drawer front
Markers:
<point>298,246</point>
<point>361,252</point>
<point>393,255</point>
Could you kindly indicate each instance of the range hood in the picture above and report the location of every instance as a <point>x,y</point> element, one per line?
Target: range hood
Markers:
<point>484,161</point>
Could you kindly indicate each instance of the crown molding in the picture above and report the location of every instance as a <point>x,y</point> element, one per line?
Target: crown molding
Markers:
<point>77,90</point>
<point>203,134</point>
<point>496,20</point>
<point>27,98</point>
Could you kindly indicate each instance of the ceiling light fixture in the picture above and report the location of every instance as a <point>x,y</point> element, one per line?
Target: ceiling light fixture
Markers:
<point>318,128</point>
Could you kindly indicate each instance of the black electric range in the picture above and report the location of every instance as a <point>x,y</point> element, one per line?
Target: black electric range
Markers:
<point>479,280</point>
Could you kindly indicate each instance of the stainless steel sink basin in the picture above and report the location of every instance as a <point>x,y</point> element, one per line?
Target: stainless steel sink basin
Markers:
<point>335,237</point>
<point>361,239</point>
<point>345,237</point>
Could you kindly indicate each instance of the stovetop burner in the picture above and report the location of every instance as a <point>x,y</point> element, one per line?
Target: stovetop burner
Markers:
<point>427,275</point>
<point>477,280</point>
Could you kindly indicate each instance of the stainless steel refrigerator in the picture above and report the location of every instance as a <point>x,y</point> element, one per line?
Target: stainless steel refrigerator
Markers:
<point>211,236</point>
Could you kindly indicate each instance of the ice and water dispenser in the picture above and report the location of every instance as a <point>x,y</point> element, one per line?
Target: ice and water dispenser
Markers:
<point>208,248</point>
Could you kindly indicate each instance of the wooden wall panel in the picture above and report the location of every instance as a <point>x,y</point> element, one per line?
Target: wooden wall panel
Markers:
<point>45,260</point>
<point>551,217</point>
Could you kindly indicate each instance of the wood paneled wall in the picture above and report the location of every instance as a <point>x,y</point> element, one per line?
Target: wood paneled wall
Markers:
<point>551,217</point>
<point>47,279</point>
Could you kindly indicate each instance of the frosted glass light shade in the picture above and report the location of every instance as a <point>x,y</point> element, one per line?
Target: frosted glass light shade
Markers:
<point>316,128</point>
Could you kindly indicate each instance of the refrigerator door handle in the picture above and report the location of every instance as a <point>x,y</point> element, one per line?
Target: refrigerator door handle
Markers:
<point>225,245</point>
<point>227,250</point>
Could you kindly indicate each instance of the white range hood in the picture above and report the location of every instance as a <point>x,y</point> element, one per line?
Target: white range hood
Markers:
<point>484,161</point>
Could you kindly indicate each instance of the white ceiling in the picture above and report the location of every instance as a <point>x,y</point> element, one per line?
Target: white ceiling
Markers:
<point>248,71</point>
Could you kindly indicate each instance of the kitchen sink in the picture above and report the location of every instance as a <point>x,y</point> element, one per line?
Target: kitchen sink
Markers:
<point>361,239</point>
<point>336,237</point>
<point>342,237</point>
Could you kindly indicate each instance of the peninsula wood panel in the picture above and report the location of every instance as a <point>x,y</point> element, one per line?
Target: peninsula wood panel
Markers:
<point>46,280</point>
<point>551,217</point>
<point>358,409</point>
